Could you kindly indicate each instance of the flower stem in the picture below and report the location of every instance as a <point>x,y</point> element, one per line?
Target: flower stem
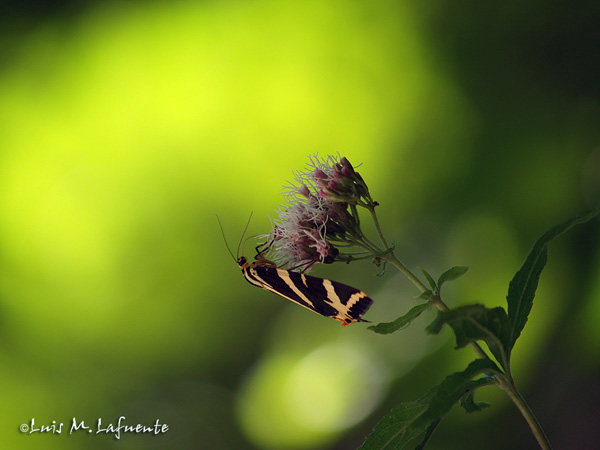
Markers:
<point>391,258</point>
<point>516,397</point>
<point>371,209</point>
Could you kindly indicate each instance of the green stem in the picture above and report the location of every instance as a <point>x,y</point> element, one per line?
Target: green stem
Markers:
<point>391,258</point>
<point>516,397</point>
<point>347,257</point>
<point>377,227</point>
<point>370,248</point>
<point>373,246</point>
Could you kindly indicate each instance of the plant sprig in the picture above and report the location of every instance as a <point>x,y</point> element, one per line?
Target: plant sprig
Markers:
<point>322,221</point>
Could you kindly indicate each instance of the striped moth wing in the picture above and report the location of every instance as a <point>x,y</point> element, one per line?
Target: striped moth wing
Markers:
<point>323,296</point>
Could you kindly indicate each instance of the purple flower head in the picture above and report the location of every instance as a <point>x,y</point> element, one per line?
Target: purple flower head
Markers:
<point>318,214</point>
<point>299,236</point>
<point>336,181</point>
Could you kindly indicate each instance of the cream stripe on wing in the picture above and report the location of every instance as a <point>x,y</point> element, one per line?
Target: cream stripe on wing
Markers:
<point>336,302</point>
<point>253,278</point>
<point>285,276</point>
<point>334,299</point>
<point>355,298</point>
<point>303,278</point>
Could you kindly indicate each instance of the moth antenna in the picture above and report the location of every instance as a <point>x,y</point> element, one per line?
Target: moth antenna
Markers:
<point>224,238</point>
<point>245,229</point>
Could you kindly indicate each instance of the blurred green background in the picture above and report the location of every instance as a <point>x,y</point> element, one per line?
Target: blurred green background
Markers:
<point>126,126</point>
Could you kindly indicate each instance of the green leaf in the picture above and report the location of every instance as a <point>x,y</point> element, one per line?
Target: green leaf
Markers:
<point>476,322</point>
<point>400,322</point>
<point>427,295</point>
<point>452,274</point>
<point>468,403</point>
<point>398,428</point>
<point>434,286</point>
<point>454,387</point>
<point>521,290</point>
<point>428,434</point>
<point>409,420</point>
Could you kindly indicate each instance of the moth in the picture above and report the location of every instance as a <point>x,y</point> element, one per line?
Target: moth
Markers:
<point>325,297</point>
<point>321,295</point>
